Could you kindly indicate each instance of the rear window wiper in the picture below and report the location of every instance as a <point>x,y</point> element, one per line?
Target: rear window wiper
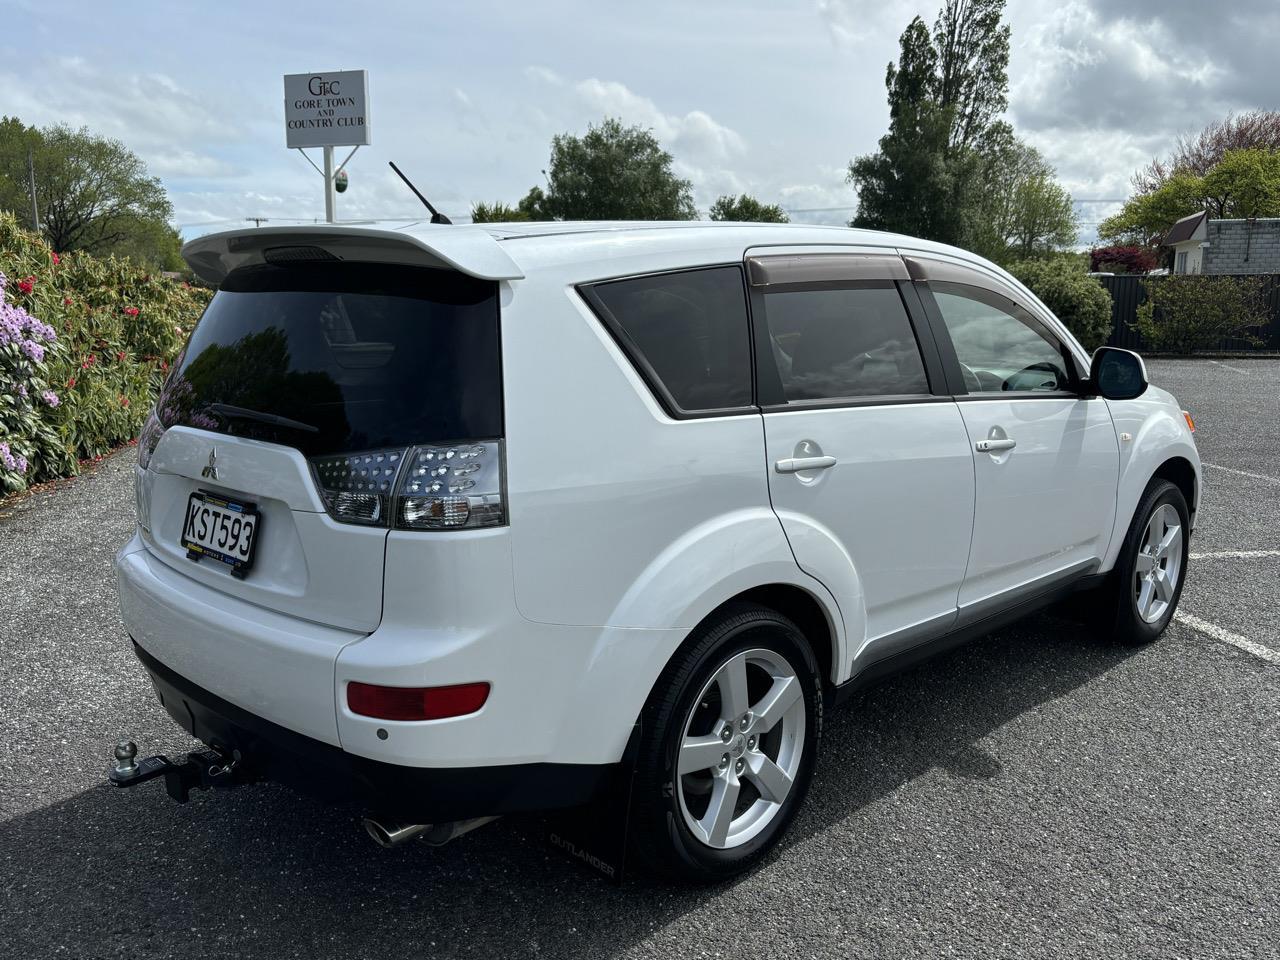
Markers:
<point>244,413</point>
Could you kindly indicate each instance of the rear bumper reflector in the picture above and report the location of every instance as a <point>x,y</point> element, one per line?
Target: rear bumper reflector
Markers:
<point>416,703</point>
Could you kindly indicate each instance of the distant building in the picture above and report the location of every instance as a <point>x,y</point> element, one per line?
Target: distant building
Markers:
<point>1201,245</point>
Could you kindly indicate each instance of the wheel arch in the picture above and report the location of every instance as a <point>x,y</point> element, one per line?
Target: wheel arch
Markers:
<point>1180,472</point>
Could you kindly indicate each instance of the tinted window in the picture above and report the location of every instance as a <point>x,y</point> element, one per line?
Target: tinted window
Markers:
<point>1000,346</point>
<point>689,329</point>
<point>855,342</point>
<point>366,356</point>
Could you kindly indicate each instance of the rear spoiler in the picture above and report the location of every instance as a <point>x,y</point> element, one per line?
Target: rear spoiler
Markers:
<point>468,249</point>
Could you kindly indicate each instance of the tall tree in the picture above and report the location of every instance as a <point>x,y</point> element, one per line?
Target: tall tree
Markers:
<point>93,192</point>
<point>973,61</point>
<point>610,173</point>
<point>946,94</point>
<point>747,209</point>
<point>907,185</point>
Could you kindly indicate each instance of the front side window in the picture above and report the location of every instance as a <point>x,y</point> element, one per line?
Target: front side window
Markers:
<point>1001,347</point>
<point>687,332</point>
<point>844,343</point>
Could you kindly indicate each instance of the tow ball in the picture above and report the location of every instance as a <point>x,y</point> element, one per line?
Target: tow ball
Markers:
<point>200,770</point>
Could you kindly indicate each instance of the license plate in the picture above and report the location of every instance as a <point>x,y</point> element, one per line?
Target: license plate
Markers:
<point>225,530</point>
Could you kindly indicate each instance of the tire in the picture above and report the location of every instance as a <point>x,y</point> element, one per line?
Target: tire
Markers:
<point>1129,614</point>
<point>674,831</point>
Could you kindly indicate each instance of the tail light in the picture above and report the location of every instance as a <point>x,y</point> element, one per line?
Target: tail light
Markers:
<point>430,487</point>
<point>415,703</point>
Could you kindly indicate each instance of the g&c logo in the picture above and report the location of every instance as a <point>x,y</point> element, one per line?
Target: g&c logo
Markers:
<point>320,87</point>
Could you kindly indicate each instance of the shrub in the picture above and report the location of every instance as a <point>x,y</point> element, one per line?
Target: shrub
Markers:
<point>1186,313</point>
<point>1122,259</point>
<point>114,328</point>
<point>1078,300</point>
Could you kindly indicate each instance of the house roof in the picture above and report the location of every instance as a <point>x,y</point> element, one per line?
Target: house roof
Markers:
<point>1185,228</point>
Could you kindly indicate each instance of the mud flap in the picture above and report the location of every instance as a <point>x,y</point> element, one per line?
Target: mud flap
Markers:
<point>597,834</point>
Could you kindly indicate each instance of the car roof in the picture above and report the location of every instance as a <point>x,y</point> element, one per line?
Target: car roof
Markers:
<point>502,251</point>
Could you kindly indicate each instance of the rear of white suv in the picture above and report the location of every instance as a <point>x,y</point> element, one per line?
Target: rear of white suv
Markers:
<point>321,578</point>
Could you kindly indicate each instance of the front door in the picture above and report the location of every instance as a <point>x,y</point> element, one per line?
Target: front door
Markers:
<point>869,470</point>
<point>1046,459</point>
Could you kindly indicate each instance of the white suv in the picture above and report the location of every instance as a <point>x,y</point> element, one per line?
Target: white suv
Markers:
<point>442,519</point>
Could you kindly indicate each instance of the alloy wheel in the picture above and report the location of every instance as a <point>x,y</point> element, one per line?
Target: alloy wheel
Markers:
<point>741,748</point>
<point>1159,564</point>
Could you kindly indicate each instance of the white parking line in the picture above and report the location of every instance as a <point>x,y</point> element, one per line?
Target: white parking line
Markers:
<point>1230,367</point>
<point>1243,473</point>
<point>1226,636</point>
<point>1235,555</point>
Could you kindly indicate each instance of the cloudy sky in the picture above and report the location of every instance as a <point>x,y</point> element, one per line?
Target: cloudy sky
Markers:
<point>764,96</point>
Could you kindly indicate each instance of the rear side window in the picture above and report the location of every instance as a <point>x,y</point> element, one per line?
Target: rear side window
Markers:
<point>844,343</point>
<point>686,332</point>
<point>341,357</point>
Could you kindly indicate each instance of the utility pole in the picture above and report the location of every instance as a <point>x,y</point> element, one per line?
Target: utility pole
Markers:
<point>31,174</point>
<point>257,221</point>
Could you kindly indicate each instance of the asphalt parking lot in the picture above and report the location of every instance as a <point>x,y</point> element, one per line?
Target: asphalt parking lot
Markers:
<point>1035,793</point>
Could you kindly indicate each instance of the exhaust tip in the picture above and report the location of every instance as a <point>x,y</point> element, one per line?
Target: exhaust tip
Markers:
<point>378,832</point>
<point>392,834</point>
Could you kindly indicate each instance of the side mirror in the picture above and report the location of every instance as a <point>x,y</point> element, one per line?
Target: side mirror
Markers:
<point>1118,374</point>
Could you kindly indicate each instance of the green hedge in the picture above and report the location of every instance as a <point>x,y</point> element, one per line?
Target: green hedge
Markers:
<point>86,387</point>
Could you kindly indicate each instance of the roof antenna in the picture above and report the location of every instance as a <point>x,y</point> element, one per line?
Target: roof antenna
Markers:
<point>436,215</point>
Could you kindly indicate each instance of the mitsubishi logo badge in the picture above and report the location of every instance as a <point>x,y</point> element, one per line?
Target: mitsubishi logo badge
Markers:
<point>211,471</point>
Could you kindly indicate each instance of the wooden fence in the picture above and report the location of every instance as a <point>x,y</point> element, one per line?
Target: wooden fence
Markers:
<point>1127,294</point>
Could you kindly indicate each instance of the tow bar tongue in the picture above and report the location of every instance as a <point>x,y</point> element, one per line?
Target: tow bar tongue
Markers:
<point>200,770</point>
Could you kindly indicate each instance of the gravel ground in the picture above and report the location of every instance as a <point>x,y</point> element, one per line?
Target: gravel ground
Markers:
<point>1035,793</point>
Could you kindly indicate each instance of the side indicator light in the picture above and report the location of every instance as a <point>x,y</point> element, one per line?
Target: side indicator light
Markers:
<point>415,703</point>
<point>1191,424</point>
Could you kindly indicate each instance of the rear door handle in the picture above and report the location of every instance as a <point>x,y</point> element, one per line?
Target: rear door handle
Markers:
<point>995,446</point>
<point>796,464</point>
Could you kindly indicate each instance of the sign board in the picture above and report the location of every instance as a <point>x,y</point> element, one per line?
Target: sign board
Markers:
<point>327,109</point>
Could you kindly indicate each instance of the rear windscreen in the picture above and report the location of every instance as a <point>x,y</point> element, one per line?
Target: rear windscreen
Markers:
<point>339,357</point>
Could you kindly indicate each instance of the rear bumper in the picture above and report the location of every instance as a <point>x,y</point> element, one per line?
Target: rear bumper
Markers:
<point>413,794</point>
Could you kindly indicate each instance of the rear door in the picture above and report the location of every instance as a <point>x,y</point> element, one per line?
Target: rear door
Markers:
<point>295,403</point>
<point>1046,458</point>
<point>866,452</point>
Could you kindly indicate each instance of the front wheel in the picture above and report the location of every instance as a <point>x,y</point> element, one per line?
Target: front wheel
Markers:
<point>1151,568</point>
<point>729,739</point>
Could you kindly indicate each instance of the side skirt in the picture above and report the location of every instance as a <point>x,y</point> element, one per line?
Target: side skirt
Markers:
<point>882,669</point>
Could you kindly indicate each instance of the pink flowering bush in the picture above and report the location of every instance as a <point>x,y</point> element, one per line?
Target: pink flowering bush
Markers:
<point>84,346</point>
<point>24,343</point>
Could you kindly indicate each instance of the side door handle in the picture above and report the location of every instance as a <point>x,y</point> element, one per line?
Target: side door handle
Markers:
<point>995,446</point>
<point>796,464</point>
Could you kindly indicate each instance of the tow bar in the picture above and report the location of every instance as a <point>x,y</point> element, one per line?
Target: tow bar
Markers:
<point>201,770</point>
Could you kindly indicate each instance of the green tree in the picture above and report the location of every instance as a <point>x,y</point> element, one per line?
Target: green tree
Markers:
<point>1021,211</point>
<point>497,212</point>
<point>612,172</point>
<point>93,192</point>
<point>945,96</point>
<point>1076,298</point>
<point>747,209</point>
<point>1244,183</point>
<point>1193,312</point>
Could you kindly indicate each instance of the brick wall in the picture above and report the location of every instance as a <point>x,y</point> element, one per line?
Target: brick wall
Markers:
<point>1231,241</point>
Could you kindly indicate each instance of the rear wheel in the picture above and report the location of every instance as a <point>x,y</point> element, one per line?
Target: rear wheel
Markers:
<point>1144,590</point>
<point>728,745</point>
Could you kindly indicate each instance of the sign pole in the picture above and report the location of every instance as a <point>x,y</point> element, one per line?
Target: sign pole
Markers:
<point>329,196</point>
